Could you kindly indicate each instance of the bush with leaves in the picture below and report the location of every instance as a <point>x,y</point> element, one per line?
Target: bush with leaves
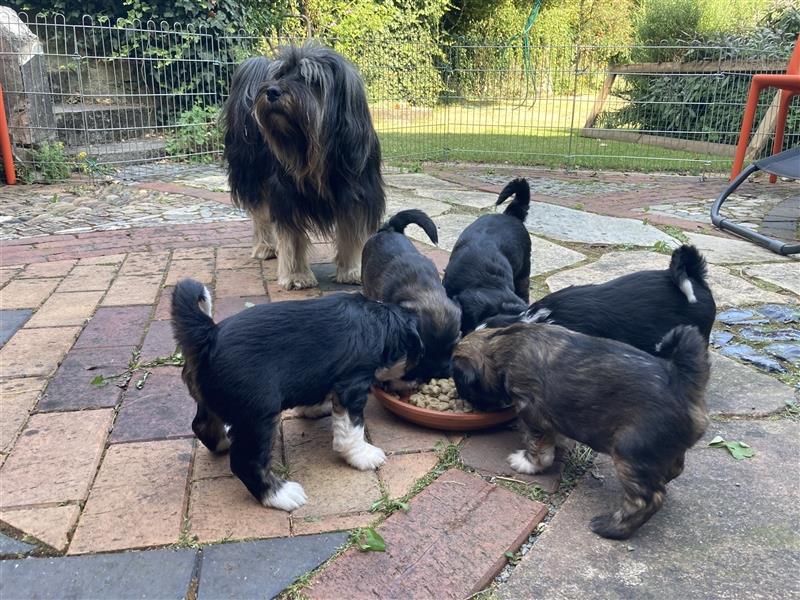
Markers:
<point>197,134</point>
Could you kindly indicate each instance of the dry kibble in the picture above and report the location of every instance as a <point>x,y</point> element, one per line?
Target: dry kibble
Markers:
<point>440,394</point>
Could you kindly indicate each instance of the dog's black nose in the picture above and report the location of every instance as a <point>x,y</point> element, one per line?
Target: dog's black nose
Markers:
<point>273,93</point>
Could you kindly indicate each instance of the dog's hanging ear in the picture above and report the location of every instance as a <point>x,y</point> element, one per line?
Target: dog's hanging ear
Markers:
<point>415,349</point>
<point>467,378</point>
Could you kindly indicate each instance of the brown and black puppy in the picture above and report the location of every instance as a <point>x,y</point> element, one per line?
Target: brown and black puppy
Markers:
<point>643,410</point>
<point>395,272</point>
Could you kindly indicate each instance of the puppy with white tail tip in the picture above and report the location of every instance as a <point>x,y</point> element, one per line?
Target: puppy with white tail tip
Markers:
<point>321,355</point>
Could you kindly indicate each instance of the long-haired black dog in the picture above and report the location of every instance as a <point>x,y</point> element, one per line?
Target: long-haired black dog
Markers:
<point>637,309</point>
<point>489,269</point>
<point>303,157</point>
<point>643,410</point>
<point>245,369</point>
<point>394,271</point>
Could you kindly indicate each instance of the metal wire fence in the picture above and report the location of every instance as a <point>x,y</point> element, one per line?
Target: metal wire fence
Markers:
<point>96,98</point>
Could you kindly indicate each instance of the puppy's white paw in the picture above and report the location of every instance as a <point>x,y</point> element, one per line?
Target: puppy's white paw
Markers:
<point>352,275</point>
<point>298,281</point>
<point>263,251</point>
<point>366,457</point>
<point>289,497</point>
<point>520,463</point>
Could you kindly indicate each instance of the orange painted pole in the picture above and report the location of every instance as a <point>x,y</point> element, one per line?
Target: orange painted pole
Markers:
<point>5,143</point>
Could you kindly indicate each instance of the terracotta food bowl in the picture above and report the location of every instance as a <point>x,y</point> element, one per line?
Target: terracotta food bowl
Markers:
<point>436,419</point>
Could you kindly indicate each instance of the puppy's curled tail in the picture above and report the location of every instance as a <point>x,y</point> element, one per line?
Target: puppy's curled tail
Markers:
<point>399,222</point>
<point>686,349</point>
<point>687,264</point>
<point>521,191</point>
<point>192,324</point>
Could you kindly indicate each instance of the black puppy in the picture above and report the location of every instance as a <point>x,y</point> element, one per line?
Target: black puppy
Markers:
<point>490,266</point>
<point>394,271</point>
<point>637,309</point>
<point>245,370</point>
<point>644,411</point>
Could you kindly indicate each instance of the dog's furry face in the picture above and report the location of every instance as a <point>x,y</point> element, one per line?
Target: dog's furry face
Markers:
<point>642,410</point>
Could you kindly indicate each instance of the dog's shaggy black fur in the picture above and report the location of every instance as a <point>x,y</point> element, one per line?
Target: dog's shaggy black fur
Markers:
<point>303,156</point>
<point>489,269</point>
<point>637,309</point>
<point>644,411</point>
<point>245,370</point>
<point>394,271</point>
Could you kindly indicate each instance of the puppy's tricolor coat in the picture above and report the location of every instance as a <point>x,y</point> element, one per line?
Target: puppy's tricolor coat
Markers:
<point>246,369</point>
<point>394,271</point>
<point>490,266</point>
<point>637,309</point>
<point>644,411</point>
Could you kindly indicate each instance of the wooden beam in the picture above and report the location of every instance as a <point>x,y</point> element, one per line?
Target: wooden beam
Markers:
<point>661,141</point>
<point>710,66</point>
<point>600,101</point>
<point>765,128</point>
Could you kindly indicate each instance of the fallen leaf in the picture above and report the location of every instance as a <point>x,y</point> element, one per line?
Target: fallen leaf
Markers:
<point>371,541</point>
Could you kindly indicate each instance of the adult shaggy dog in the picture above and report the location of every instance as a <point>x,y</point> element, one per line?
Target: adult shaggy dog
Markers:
<point>303,158</point>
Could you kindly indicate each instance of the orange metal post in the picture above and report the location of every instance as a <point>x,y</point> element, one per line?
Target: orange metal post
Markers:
<point>5,143</point>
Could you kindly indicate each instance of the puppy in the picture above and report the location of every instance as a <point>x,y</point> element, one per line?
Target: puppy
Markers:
<point>490,266</point>
<point>644,411</point>
<point>394,271</point>
<point>637,309</point>
<point>245,370</point>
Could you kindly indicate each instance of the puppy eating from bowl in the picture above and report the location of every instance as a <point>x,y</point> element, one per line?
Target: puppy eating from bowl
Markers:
<point>490,266</point>
<point>395,272</point>
<point>644,411</point>
<point>243,371</point>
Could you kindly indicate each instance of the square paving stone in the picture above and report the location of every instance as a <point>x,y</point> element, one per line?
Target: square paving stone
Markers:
<point>158,342</point>
<point>736,389</point>
<point>11,321</point>
<point>49,524</point>
<point>262,569</point>
<point>11,547</point>
<point>114,327</point>
<point>401,471</point>
<point>235,258</point>
<point>17,400</point>
<point>332,486</point>
<point>56,268</point>
<point>784,275</point>
<point>137,499</point>
<point>241,282</point>
<point>162,409</point>
<point>69,308</point>
<point>728,529</point>
<point>133,289</point>
<point>193,254</point>
<point>392,434</point>
<point>55,458</point>
<point>26,293</point>
<point>449,545</point>
<point>36,352</point>
<point>144,263</point>
<point>86,278</point>
<point>223,509</point>
<point>344,522</point>
<point>199,269</point>
<point>71,387</point>
<point>159,574</point>
<point>231,305</point>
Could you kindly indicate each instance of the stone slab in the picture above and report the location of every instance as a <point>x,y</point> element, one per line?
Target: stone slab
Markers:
<point>49,524</point>
<point>311,525</point>
<point>262,568</point>
<point>730,290</point>
<point>199,269</point>
<point>449,228</point>
<point>17,399</point>
<point>419,181</point>
<point>88,277</point>
<point>11,547</point>
<point>128,290</point>
<point>164,305</point>
<point>56,268</point>
<point>222,509</point>
<point>402,471</point>
<point>11,321</point>
<point>36,352</point>
<point>486,452</point>
<point>728,250</point>
<point>231,305</point>
<point>71,387</point>
<point>26,293</point>
<point>239,282</point>
<point>68,308</point>
<point>128,576</point>
<point>449,545</point>
<point>161,409</point>
<point>735,389</point>
<point>332,486</point>
<point>137,499</point>
<point>570,225</point>
<point>547,256</point>
<point>397,200</point>
<point>784,275</point>
<point>144,263</point>
<point>728,529</point>
<point>235,258</point>
<point>158,342</point>
<point>113,327</point>
<point>55,458</point>
<point>392,434</point>
<point>470,199</point>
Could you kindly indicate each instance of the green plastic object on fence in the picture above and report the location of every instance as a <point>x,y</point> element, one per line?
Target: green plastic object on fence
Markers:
<point>526,42</point>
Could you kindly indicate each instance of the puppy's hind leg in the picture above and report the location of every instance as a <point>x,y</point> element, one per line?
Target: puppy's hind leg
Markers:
<point>264,244</point>
<point>350,240</point>
<point>251,459</point>
<point>348,430</point>
<point>210,429</point>
<point>538,456</point>
<point>294,270</point>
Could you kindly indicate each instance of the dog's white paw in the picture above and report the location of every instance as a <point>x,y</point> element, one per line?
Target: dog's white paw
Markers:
<point>289,497</point>
<point>520,463</point>
<point>348,276</point>
<point>366,457</point>
<point>298,281</point>
<point>263,251</point>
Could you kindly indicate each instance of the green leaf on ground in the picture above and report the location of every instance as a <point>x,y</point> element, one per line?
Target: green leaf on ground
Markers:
<point>371,541</point>
<point>99,381</point>
<point>739,450</point>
